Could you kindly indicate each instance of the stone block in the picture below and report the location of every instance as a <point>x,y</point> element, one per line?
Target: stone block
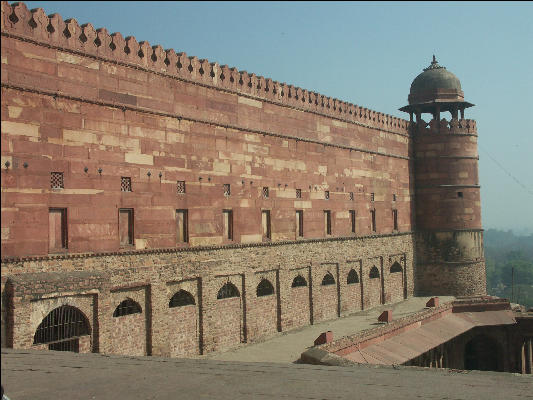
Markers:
<point>433,302</point>
<point>324,337</point>
<point>386,316</point>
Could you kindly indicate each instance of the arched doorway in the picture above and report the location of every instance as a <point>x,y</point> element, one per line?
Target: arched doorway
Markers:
<point>62,329</point>
<point>482,353</point>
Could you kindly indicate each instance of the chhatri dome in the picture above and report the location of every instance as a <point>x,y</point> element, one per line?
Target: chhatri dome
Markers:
<point>434,90</point>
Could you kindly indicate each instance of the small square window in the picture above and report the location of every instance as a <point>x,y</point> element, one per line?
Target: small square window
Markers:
<point>393,197</point>
<point>56,180</point>
<point>227,189</point>
<point>326,194</point>
<point>351,196</point>
<point>180,187</point>
<point>265,192</point>
<point>460,194</point>
<point>298,193</point>
<point>125,184</point>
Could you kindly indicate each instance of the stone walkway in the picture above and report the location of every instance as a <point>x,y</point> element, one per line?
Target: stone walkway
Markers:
<point>257,371</point>
<point>49,375</point>
<point>286,347</point>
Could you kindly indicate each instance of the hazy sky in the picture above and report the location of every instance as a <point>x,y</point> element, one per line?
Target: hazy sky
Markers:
<point>367,54</point>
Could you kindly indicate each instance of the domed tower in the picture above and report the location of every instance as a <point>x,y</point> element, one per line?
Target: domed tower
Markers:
<point>449,237</point>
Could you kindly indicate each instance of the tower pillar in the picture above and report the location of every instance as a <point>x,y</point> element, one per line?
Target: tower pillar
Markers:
<point>449,235</point>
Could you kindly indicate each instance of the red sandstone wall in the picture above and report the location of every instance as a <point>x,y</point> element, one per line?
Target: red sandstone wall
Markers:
<point>446,164</point>
<point>448,209</point>
<point>68,107</point>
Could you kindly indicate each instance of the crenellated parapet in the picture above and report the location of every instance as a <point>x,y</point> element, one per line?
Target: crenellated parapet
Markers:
<point>454,126</point>
<point>52,30</point>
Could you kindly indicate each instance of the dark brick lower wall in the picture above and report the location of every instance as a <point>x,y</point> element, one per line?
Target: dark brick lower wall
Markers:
<point>466,279</point>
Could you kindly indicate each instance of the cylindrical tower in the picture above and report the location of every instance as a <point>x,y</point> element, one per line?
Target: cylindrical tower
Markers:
<point>449,238</point>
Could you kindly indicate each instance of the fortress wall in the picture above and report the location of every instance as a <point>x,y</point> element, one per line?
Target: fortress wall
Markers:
<point>98,108</point>
<point>70,105</point>
<point>205,157</point>
<point>447,180</point>
<point>151,279</point>
<point>449,235</point>
<point>55,33</point>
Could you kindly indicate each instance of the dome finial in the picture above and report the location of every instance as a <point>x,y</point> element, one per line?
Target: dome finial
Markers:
<point>434,65</point>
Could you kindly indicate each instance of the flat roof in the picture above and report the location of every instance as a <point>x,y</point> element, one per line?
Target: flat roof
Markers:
<point>46,375</point>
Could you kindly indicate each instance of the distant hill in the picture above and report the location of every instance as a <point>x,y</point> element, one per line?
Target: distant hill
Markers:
<point>505,253</point>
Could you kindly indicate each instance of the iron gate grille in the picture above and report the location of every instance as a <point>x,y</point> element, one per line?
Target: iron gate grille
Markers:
<point>64,322</point>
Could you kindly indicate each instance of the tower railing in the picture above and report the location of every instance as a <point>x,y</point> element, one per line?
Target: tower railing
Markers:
<point>453,126</point>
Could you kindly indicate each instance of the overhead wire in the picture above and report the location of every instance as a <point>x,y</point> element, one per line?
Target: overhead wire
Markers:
<point>528,190</point>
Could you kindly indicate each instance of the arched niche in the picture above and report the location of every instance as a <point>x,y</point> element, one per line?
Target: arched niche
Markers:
<point>62,328</point>
<point>127,307</point>
<point>227,291</point>
<point>181,298</point>
<point>264,288</point>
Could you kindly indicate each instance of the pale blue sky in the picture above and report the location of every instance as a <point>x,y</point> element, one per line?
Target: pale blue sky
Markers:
<point>367,54</point>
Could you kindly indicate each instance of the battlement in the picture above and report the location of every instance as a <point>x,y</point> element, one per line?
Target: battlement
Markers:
<point>454,126</point>
<point>52,30</point>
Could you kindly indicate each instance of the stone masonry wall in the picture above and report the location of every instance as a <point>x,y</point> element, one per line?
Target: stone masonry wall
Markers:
<point>151,278</point>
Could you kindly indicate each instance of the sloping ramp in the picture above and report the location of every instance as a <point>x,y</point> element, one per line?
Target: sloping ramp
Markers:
<point>407,345</point>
